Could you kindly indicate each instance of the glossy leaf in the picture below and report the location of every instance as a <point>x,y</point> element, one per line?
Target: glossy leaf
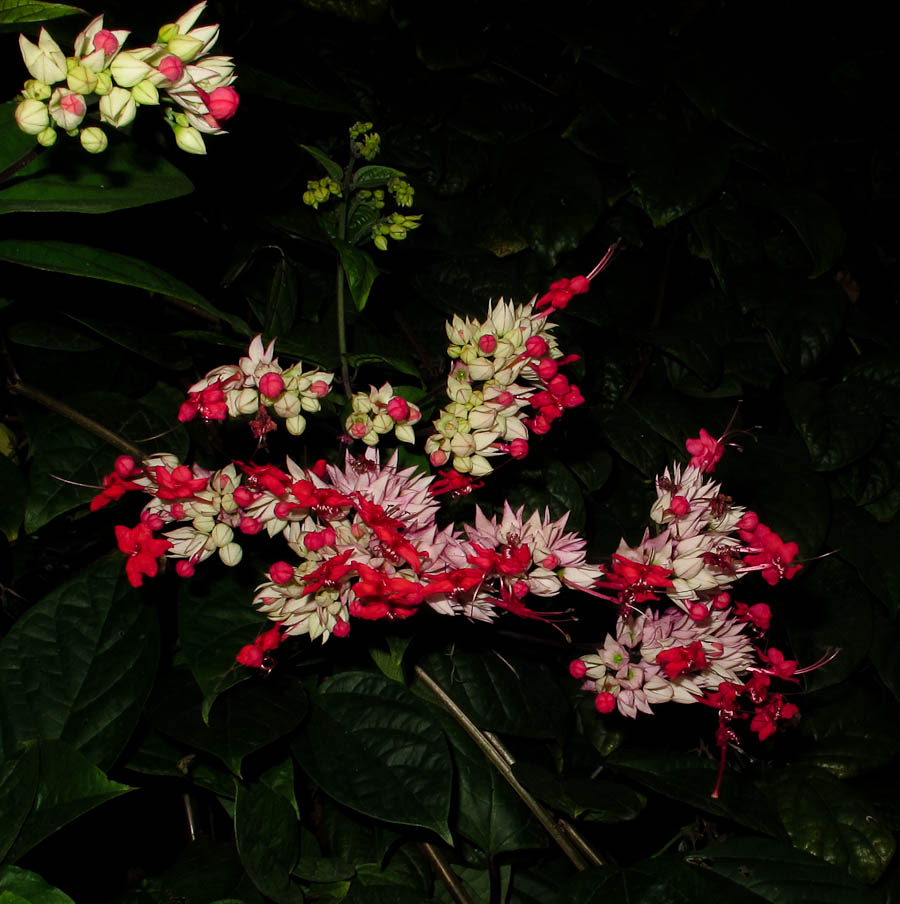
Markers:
<point>782,875</point>
<point>375,749</point>
<point>63,451</point>
<point>565,495</point>
<point>21,885</point>
<point>83,260</point>
<point>487,812</point>
<point>18,786</point>
<point>68,785</point>
<point>360,270</point>
<point>79,665</point>
<point>215,621</point>
<point>281,305</point>
<point>334,170</point>
<point>390,661</point>
<point>52,335</point>
<point>691,780</point>
<point>662,880</point>
<point>825,817</point>
<point>854,730</point>
<point>12,12</point>
<point>505,694</point>
<point>268,841</point>
<point>245,719</point>
<point>375,176</point>
<point>280,779</point>
<point>67,179</point>
<point>838,425</point>
<point>831,611</point>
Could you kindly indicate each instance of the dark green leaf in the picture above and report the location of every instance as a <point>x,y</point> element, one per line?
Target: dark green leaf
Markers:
<point>886,643</point>
<point>827,818</point>
<point>280,778</point>
<point>12,12</point>
<point>242,720</point>
<point>215,620</point>
<point>361,272</point>
<point>507,695</point>
<point>401,365</point>
<point>281,305</point>
<point>268,841</point>
<point>161,349</point>
<point>875,475</point>
<point>79,665</point>
<point>57,336</point>
<point>830,610</point>
<point>375,176</point>
<point>815,220</point>
<point>21,885</point>
<point>68,785</point>
<point>593,471</point>
<point>488,812</point>
<point>853,728</point>
<point>694,345</point>
<point>13,493</point>
<point>782,875</point>
<point>18,786</point>
<point>870,548</point>
<point>67,179</point>
<point>83,260</point>
<point>323,869</point>
<point>390,661</point>
<point>640,446</point>
<point>276,87</point>
<point>63,451</point>
<point>14,143</point>
<point>662,880</point>
<point>478,884</point>
<point>372,746</point>
<point>691,780</point>
<point>335,170</point>
<point>838,425</point>
<point>668,186</point>
<point>565,495</point>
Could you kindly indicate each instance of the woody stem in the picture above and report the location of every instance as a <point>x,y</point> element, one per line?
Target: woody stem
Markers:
<point>82,420</point>
<point>570,842</point>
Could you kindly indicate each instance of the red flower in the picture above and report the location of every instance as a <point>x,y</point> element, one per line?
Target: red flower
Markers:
<point>142,549</point>
<point>636,580</point>
<point>705,450</point>
<point>683,660</point>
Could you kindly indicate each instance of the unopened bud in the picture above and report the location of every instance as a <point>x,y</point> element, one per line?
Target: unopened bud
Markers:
<point>81,80</point>
<point>47,137</point>
<point>167,32</point>
<point>93,140</point>
<point>295,425</point>
<point>145,93</point>
<point>231,554</point>
<point>32,116</point>
<point>189,139</point>
<point>222,535</point>
<point>36,90</point>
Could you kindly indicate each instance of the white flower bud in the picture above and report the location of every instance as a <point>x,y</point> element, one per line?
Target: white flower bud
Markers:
<point>295,425</point>
<point>44,60</point>
<point>32,116</point>
<point>222,535</point>
<point>231,554</point>
<point>127,70</point>
<point>287,405</point>
<point>118,107</point>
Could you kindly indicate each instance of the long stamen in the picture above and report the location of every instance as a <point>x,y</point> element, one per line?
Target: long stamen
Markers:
<point>605,260</point>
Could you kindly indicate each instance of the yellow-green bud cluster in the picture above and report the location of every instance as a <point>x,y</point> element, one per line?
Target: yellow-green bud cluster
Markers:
<point>395,227</point>
<point>402,191</point>
<point>372,198</point>
<point>318,191</point>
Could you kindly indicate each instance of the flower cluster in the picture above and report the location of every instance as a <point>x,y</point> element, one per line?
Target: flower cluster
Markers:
<point>502,366</point>
<point>120,81</point>
<point>255,385</point>
<point>378,412</point>
<point>704,647</point>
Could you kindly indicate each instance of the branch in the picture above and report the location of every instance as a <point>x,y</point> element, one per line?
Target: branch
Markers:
<point>83,421</point>
<point>448,877</point>
<point>561,832</point>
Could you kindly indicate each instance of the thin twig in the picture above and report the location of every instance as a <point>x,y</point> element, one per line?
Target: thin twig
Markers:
<point>89,424</point>
<point>501,759</point>
<point>22,162</point>
<point>447,876</point>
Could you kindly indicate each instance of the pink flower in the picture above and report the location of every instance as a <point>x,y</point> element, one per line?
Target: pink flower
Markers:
<point>171,67</point>
<point>106,41</point>
<point>705,450</point>
<point>271,385</point>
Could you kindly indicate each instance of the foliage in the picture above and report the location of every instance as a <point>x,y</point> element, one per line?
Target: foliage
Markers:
<point>753,194</point>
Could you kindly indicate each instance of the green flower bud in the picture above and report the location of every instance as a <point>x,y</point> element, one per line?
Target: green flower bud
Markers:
<point>189,139</point>
<point>381,243</point>
<point>167,32</point>
<point>185,47</point>
<point>145,93</point>
<point>81,80</point>
<point>295,425</point>
<point>128,70</point>
<point>36,90</point>
<point>104,83</point>
<point>47,138</point>
<point>231,554</point>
